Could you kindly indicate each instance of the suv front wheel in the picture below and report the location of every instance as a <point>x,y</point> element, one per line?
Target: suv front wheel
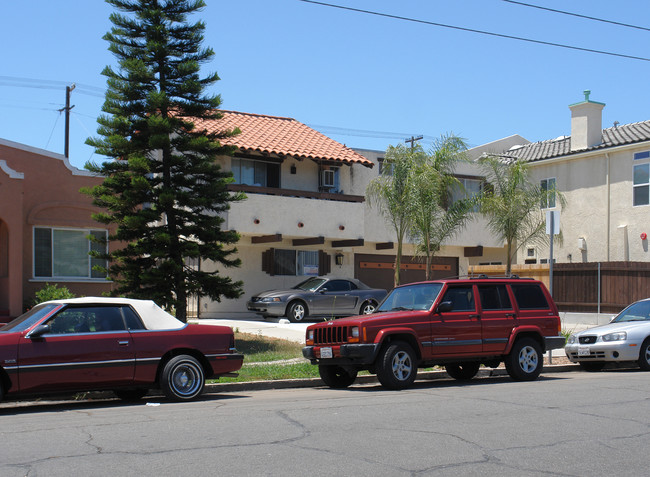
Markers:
<point>397,366</point>
<point>525,361</point>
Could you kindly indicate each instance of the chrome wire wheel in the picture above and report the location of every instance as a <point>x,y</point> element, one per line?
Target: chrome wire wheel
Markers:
<point>183,378</point>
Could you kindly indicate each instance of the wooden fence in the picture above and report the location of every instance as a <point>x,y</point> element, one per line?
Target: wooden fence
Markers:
<point>575,285</point>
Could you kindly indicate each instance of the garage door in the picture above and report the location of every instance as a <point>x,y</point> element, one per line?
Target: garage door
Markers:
<point>377,271</point>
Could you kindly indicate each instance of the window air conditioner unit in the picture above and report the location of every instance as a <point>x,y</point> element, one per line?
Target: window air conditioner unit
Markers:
<point>327,178</point>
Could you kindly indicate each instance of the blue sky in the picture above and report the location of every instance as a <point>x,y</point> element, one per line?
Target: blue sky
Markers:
<point>351,75</point>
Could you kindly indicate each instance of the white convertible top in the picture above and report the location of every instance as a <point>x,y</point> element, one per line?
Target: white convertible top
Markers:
<point>154,317</point>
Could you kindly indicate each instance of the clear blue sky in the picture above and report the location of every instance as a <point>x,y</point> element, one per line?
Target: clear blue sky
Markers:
<point>343,71</point>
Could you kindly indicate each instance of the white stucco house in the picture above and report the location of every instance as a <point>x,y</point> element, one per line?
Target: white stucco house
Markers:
<point>306,213</point>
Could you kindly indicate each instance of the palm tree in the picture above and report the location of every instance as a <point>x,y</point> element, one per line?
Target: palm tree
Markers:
<point>512,203</point>
<point>433,218</point>
<point>390,193</point>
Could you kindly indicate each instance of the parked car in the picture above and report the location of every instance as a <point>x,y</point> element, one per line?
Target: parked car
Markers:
<point>625,339</point>
<point>127,346</point>
<point>460,324</point>
<point>318,297</point>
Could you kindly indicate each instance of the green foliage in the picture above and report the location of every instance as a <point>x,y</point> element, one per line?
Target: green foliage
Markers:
<point>163,189</point>
<point>512,205</point>
<point>434,217</point>
<point>413,194</point>
<point>52,292</point>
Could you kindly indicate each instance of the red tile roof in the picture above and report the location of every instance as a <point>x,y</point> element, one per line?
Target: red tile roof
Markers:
<point>281,136</point>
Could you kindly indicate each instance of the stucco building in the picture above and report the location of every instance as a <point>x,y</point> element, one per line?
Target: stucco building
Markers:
<point>44,227</point>
<point>604,175</point>
<point>306,213</point>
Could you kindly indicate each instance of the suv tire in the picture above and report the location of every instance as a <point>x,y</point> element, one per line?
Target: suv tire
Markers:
<point>525,361</point>
<point>336,377</point>
<point>397,367</point>
<point>462,371</point>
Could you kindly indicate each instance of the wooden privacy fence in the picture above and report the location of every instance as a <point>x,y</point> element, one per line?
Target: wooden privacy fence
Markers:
<point>576,285</point>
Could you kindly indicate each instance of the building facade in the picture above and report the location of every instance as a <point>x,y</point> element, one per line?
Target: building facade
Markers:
<point>44,227</point>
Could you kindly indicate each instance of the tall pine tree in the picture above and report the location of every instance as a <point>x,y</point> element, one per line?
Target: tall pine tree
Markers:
<point>163,189</point>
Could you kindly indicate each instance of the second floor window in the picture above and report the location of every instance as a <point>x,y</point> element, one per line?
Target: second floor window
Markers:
<point>548,187</point>
<point>255,173</point>
<point>641,185</point>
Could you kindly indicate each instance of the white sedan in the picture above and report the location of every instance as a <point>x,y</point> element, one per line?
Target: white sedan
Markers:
<point>625,339</point>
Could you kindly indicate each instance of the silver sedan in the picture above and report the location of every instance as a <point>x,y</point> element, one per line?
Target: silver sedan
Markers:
<point>625,339</point>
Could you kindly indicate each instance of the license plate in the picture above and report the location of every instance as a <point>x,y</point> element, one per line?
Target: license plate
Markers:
<point>326,352</point>
<point>583,351</point>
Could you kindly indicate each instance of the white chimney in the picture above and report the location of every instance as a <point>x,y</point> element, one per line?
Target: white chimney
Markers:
<point>586,123</point>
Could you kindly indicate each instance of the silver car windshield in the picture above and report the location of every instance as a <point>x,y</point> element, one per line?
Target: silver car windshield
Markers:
<point>639,311</point>
<point>411,297</point>
<point>311,284</point>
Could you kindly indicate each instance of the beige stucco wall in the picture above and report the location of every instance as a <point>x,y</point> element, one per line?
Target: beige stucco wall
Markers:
<point>599,208</point>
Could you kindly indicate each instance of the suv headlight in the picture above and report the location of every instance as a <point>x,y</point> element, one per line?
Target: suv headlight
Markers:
<point>354,335</point>
<point>572,339</point>
<point>619,336</point>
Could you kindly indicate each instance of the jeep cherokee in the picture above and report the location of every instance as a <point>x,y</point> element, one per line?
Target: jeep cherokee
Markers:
<point>457,323</point>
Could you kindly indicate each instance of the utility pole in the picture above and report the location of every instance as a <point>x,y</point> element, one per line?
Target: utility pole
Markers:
<point>68,90</point>
<point>412,140</point>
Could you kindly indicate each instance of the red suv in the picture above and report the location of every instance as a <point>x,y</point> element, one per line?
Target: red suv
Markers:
<point>458,323</point>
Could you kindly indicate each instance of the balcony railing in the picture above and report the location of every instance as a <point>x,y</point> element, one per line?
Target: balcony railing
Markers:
<point>295,193</point>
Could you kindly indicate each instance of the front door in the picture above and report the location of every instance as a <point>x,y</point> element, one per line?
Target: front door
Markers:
<point>457,332</point>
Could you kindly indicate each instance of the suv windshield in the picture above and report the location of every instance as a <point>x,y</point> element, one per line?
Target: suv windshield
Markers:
<point>411,297</point>
<point>310,284</point>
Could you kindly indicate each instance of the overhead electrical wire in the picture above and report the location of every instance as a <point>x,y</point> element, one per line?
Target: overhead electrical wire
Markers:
<point>577,15</point>
<point>481,32</point>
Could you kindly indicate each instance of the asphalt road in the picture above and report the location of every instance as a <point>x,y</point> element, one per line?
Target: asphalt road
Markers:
<point>577,424</point>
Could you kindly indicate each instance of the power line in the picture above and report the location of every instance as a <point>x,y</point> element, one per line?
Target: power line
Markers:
<point>481,32</point>
<point>577,15</point>
<point>49,84</point>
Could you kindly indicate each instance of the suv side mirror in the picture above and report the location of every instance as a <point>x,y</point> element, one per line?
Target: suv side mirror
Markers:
<point>39,331</point>
<point>444,307</point>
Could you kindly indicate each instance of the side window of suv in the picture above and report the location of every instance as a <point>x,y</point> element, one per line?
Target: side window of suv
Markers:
<point>530,297</point>
<point>461,298</point>
<point>494,297</point>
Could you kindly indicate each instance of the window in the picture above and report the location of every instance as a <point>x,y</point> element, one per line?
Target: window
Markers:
<point>494,297</point>
<point>330,179</point>
<point>529,297</point>
<point>64,253</point>
<point>296,262</point>
<point>461,298</point>
<point>257,173</point>
<point>641,186</point>
<point>548,187</point>
<point>467,188</point>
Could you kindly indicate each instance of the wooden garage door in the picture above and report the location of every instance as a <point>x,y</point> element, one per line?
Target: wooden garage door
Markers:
<point>377,270</point>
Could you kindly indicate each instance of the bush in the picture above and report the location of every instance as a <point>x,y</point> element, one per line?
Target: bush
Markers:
<point>52,292</point>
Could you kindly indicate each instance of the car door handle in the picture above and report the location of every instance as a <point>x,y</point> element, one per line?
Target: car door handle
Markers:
<point>123,343</point>
<point>511,315</point>
<point>474,316</point>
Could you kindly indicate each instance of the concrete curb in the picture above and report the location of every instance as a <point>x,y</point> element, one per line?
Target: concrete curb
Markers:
<point>366,379</point>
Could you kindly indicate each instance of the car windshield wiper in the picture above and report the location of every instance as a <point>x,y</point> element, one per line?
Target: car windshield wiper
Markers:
<point>402,308</point>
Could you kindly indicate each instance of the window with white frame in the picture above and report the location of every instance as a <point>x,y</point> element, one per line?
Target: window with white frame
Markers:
<point>65,253</point>
<point>548,187</point>
<point>296,262</point>
<point>641,183</point>
<point>467,188</point>
<point>256,173</point>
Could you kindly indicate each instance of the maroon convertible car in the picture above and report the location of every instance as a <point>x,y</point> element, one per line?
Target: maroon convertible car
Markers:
<point>124,345</point>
